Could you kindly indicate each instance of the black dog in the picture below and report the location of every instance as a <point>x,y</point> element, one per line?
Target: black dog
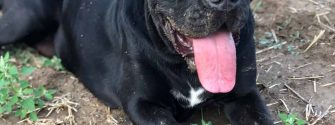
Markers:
<point>157,59</point>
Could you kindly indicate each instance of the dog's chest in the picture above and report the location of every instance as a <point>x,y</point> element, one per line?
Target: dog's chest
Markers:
<point>191,98</point>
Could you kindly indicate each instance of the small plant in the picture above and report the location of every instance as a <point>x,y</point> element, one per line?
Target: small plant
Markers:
<point>203,122</point>
<point>23,54</point>
<point>17,96</point>
<point>292,50</point>
<point>283,25</point>
<point>54,62</point>
<point>291,119</point>
<point>267,40</point>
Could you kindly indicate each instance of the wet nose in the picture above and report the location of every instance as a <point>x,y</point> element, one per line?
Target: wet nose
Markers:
<point>223,4</point>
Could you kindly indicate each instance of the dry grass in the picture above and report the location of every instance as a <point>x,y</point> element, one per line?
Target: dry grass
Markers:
<point>61,103</point>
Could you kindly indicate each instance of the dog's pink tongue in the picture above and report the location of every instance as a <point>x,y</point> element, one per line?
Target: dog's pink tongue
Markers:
<point>215,59</point>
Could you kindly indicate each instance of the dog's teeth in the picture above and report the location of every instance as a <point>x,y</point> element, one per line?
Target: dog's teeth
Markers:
<point>180,39</point>
<point>167,26</point>
<point>191,64</point>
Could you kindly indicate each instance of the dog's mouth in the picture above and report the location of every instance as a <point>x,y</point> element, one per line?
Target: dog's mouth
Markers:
<point>212,56</point>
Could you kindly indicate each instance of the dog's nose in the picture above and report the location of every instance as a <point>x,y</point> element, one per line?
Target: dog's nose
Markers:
<point>223,4</point>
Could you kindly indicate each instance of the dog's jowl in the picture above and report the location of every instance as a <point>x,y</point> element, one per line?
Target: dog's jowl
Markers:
<point>159,60</point>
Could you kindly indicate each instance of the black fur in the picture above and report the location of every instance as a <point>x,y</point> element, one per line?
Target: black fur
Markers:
<point>120,53</point>
<point>28,20</point>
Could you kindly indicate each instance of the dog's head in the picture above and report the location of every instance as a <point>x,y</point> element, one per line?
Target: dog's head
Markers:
<point>202,31</point>
<point>198,18</point>
<point>184,19</point>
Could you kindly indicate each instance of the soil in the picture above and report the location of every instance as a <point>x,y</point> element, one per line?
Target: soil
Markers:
<point>307,73</point>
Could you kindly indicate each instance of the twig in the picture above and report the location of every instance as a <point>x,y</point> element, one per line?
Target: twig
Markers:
<point>328,20</point>
<point>112,120</point>
<point>316,39</point>
<point>303,78</point>
<point>316,3</point>
<point>268,70</point>
<point>271,104</point>
<point>323,115</point>
<point>286,107</point>
<point>321,23</point>
<point>281,90</point>
<point>271,47</point>
<point>302,66</point>
<point>277,122</point>
<point>297,94</point>
<point>293,96</point>
<point>314,84</point>
<point>308,111</point>
<point>259,84</point>
<point>273,86</point>
<point>274,36</point>
<point>329,84</point>
<point>64,102</point>
<point>268,58</point>
<point>328,27</point>
<point>42,122</point>
<point>320,5</point>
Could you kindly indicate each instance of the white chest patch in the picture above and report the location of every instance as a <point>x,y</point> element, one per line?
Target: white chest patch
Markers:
<point>194,96</point>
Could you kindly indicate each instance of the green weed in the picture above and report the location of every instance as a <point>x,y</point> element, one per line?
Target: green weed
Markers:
<point>54,62</point>
<point>267,40</point>
<point>291,119</point>
<point>18,96</point>
<point>203,122</point>
<point>27,56</point>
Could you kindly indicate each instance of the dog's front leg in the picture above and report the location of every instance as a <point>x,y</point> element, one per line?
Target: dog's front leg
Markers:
<point>248,110</point>
<point>143,112</point>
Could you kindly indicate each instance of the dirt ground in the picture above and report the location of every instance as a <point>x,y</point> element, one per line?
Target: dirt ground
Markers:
<point>292,79</point>
<point>310,73</point>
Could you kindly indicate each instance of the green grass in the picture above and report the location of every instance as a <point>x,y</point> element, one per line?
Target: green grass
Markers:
<point>17,96</point>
